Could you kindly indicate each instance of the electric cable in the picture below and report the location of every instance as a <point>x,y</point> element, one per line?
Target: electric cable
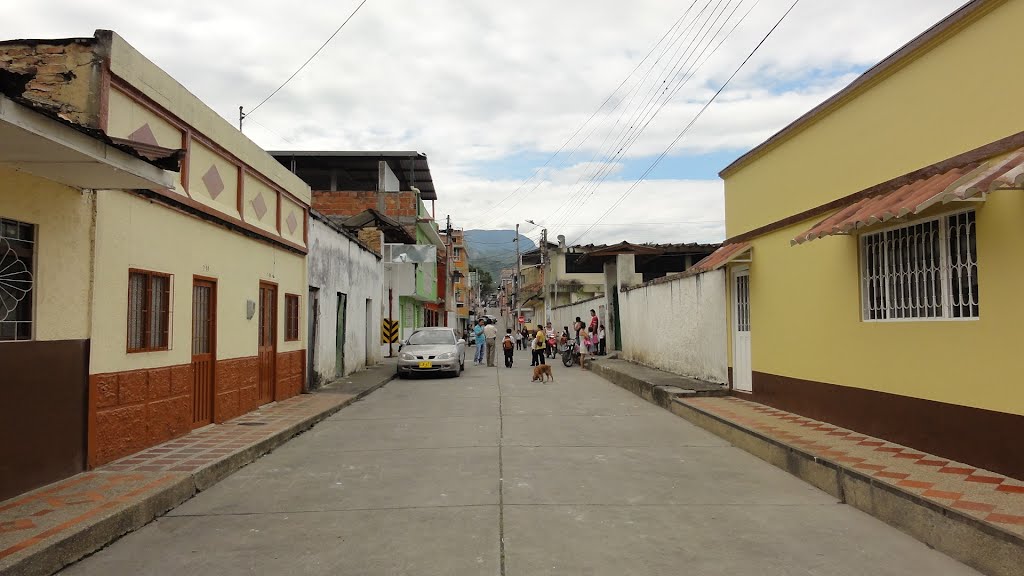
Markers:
<point>691,123</point>
<point>308,60</point>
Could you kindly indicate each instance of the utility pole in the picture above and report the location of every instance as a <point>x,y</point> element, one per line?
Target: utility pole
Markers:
<point>515,283</point>
<point>241,116</point>
<point>544,269</point>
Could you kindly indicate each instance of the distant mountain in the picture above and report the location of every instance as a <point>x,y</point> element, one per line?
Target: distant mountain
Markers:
<point>492,250</point>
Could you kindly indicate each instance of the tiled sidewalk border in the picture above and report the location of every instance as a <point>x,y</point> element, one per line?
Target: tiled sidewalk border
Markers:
<point>981,545</point>
<point>131,514</point>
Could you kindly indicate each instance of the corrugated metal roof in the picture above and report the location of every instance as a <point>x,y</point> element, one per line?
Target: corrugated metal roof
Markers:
<point>720,257</point>
<point>962,183</point>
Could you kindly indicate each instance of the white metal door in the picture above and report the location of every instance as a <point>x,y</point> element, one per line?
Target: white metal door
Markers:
<point>741,367</point>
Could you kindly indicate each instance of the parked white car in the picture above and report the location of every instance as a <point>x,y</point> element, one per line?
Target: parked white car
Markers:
<point>432,351</point>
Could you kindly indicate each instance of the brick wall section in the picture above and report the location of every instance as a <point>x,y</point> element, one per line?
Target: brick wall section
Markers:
<point>402,206</point>
<point>131,411</point>
<point>62,76</point>
<point>291,374</point>
<point>344,203</point>
<point>236,388</point>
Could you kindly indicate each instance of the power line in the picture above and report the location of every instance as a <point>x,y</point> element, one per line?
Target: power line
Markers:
<point>578,130</point>
<point>268,129</point>
<point>632,131</point>
<point>651,110</point>
<point>691,123</point>
<point>308,60</point>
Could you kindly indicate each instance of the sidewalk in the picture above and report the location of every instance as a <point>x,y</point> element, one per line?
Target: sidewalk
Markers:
<point>46,529</point>
<point>970,514</point>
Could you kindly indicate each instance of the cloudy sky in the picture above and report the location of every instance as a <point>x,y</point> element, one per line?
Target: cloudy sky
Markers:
<point>490,91</point>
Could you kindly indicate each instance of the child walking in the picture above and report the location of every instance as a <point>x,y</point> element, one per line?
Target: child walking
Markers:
<point>508,347</point>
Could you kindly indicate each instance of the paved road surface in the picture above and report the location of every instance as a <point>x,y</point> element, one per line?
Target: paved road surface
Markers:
<point>595,481</point>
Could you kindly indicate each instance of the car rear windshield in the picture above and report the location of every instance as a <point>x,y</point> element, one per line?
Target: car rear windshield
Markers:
<point>432,337</point>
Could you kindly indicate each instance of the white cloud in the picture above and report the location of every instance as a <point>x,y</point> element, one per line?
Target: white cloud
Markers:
<point>468,82</point>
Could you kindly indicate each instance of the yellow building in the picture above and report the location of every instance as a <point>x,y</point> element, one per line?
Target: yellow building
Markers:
<point>183,291</point>
<point>874,249</point>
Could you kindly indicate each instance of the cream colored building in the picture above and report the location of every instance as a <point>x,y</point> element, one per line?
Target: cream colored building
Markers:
<point>175,258</point>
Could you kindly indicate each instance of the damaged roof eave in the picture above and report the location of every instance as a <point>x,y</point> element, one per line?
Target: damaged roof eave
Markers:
<point>34,143</point>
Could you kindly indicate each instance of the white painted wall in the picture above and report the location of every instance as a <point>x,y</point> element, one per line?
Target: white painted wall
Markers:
<point>565,315</point>
<point>678,326</point>
<point>339,264</point>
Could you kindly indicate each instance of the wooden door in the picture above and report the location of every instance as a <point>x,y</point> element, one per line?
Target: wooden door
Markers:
<point>204,350</point>
<point>742,370</point>
<point>267,343</point>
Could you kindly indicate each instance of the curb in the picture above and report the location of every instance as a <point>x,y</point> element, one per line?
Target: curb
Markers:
<point>980,545</point>
<point>132,516</point>
<point>662,395</point>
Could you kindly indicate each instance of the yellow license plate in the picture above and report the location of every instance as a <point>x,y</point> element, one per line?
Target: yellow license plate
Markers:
<point>426,365</point>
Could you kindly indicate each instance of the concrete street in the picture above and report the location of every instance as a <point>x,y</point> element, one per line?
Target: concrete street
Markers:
<point>493,474</point>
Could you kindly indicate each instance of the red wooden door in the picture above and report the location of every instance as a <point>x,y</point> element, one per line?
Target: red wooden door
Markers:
<point>204,350</point>
<point>267,342</point>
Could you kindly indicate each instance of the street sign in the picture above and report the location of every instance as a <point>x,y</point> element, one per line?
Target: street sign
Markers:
<point>388,331</point>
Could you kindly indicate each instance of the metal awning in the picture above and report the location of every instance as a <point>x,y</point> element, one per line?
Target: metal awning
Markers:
<point>37,144</point>
<point>739,251</point>
<point>965,183</point>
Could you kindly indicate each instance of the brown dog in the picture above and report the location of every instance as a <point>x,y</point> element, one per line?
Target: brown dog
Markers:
<point>540,371</point>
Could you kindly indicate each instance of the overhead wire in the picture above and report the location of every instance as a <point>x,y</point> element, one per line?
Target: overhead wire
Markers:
<point>686,129</point>
<point>601,171</point>
<point>592,116</point>
<point>628,98</point>
<point>653,108</point>
<point>308,60</point>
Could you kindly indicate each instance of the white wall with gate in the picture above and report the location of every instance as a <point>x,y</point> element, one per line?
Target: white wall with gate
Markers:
<point>678,325</point>
<point>340,265</point>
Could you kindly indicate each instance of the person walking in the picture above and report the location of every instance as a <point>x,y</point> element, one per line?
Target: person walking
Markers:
<point>518,335</point>
<point>508,347</point>
<point>491,335</point>
<point>478,337</point>
<point>539,343</point>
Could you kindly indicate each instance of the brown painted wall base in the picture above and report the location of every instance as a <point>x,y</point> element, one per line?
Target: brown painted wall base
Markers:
<point>236,388</point>
<point>291,373</point>
<point>131,411</point>
<point>981,438</point>
<point>43,412</point>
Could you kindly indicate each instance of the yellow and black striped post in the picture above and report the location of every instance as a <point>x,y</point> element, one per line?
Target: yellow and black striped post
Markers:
<point>389,331</point>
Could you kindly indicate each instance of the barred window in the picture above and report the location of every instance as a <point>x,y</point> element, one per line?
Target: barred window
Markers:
<point>922,270</point>
<point>291,319</point>
<point>149,311</point>
<point>17,266</point>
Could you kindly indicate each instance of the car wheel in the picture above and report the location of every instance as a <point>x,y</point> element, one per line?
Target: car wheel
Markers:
<point>399,375</point>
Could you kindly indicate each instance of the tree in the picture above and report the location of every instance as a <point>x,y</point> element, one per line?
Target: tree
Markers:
<point>485,278</point>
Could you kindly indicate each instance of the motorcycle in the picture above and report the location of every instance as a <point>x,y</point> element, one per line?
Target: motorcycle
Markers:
<point>570,355</point>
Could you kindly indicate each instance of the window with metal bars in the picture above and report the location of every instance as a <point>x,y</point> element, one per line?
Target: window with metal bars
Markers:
<point>149,311</point>
<point>924,270</point>
<point>291,320</point>
<point>17,266</point>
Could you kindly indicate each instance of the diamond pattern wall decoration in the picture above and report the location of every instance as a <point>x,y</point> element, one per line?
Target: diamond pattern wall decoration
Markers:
<point>144,134</point>
<point>292,223</point>
<point>259,206</point>
<point>213,182</point>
